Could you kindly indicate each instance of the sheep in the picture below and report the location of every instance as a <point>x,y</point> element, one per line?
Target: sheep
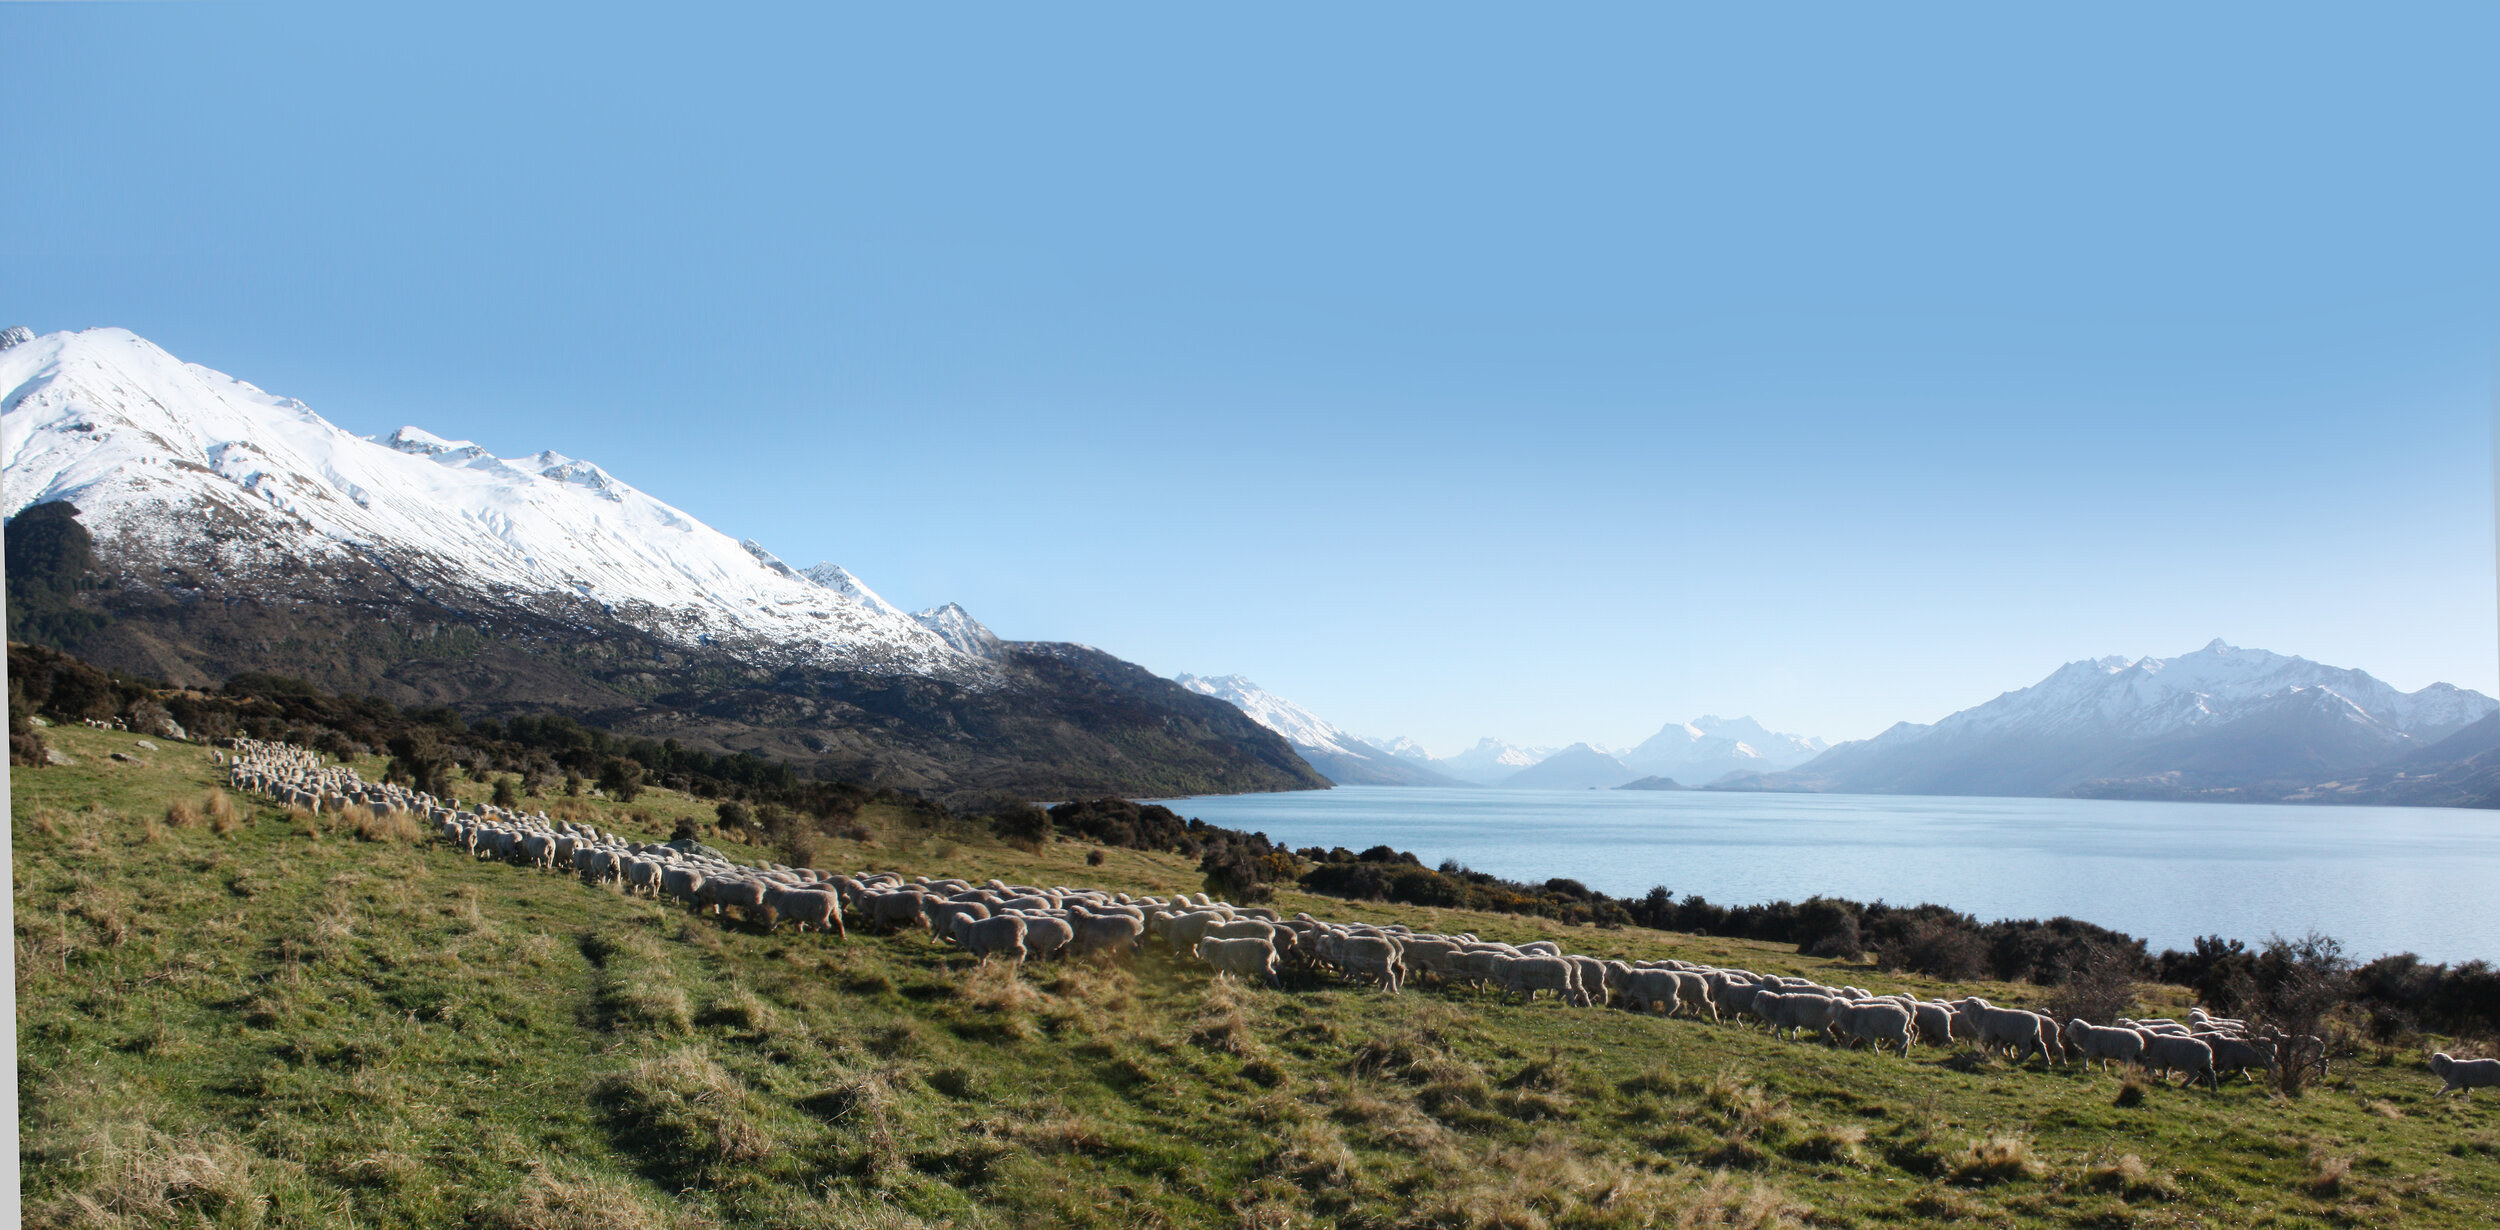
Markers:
<point>2166,1053</point>
<point>1366,956</point>
<point>642,875</point>
<point>1045,936</point>
<point>941,915</point>
<point>1800,1011</point>
<point>2466,1075</point>
<point>890,911</point>
<point>1643,989</point>
<point>809,907</point>
<point>1594,979</point>
<point>1693,991</point>
<point>1876,1022</point>
<point>1114,933</point>
<point>2234,1054</point>
<point>746,896</point>
<point>2021,1034</point>
<point>1241,957</point>
<point>1936,1023</point>
<point>2107,1043</point>
<point>1525,976</point>
<point>1183,931</point>
<point>989,937</point>
<point>683,884</point>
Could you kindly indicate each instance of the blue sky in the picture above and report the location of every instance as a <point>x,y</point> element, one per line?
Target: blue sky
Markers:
<point>1454,370</point>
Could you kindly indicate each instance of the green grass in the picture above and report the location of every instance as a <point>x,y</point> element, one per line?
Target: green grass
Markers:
<point>286,1025</point>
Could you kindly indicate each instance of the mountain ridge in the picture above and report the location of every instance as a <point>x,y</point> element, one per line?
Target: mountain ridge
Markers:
<point>240,531</point>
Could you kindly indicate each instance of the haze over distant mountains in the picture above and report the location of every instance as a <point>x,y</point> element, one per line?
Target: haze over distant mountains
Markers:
<point>1702,749</point>
<point>2222,723</point>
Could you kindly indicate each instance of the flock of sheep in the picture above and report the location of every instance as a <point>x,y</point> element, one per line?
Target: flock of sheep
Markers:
<point>1017,923</point>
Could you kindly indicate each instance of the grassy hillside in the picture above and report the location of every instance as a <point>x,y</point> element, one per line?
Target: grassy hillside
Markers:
<point>267,1021</point>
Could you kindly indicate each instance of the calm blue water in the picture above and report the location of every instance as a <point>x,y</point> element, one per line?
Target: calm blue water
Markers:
<point>2381,879</point>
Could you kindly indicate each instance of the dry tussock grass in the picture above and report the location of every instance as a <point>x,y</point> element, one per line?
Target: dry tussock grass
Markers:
<point>2128,1176</point>
<point>223,818</point>
<point>1314,1155</point>
<point>1548,1184</point>
<point>139,1176</point>
<point>2329,1175</point>
<point>692,1109</point>
<point>181,814</point>
<point>1996,1159</point>
<point>1223,1020</point>
<point>550,1201</point>
<point>997,991</point>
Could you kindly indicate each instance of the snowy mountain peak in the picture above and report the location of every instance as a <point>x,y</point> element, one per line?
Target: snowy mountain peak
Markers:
<point>174,465</point>
<point>2212,686</point>
<point>835,577</point>
<point>1298,725</point>
<point>15,335</point>
<point>958,628</point>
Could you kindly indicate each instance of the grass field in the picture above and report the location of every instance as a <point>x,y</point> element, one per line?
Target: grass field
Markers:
<point>268,1022</point>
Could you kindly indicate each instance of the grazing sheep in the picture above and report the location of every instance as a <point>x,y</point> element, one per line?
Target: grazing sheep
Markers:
<point>2232,1054</point>
<point>989,937</point>
<point>1122,934</point>
<point>2467,1075</point>
<point>1876,1022</point>
<point>1525,976</point>
<point>1799,1011</point>
<point>1046,936</point>
<point>1643,989</point>
<point>682,884</point>
<point>2106,1043</point>
<point>2167,1053</point>
<point>809,907</point>
<point>890,911</point>
<point>1693,991</point>
<point>1366,956</point>
<point>1936,1023</point>
<point>1594,979</point>
<point>1241,958</point>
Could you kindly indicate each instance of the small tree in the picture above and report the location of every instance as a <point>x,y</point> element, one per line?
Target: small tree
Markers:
<point>1022,823</point>
<point>621,779</point>
<point>507,792</point>
<point>733,814</point>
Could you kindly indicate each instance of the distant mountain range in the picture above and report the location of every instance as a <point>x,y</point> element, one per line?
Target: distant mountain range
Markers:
<point>2220,723</point>
<point>220,529</point>
<point>1702,749</point>
<point>1340,757</point>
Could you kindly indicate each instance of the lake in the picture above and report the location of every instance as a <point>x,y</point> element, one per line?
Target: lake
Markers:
<point>2381,879</point>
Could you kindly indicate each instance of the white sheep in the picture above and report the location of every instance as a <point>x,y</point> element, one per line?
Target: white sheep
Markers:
<point>1242,957</point>
<point>2467,1075</point>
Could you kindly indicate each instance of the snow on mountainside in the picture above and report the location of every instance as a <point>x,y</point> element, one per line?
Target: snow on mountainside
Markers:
<point>1491,761</point>
<point>956,627</point>
<point>2220,722</point>
<point>1299,726</point>
<point>2217,684</point>
<point>170,461</point>
<point>1710,746</point>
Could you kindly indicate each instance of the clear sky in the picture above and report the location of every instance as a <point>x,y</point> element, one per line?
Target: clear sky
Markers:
<point>1530,371</point>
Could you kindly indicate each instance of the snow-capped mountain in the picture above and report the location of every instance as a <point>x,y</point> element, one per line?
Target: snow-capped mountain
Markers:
<point>956,627</point>
<point>1298,725</point>
<point>174,463</point>
<point>2222,717</point>
<point>1710,747</point>
<point>1490,761</point>
<point>1341,757</point>
<point>1577,767</point>
<point>235,531</point>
